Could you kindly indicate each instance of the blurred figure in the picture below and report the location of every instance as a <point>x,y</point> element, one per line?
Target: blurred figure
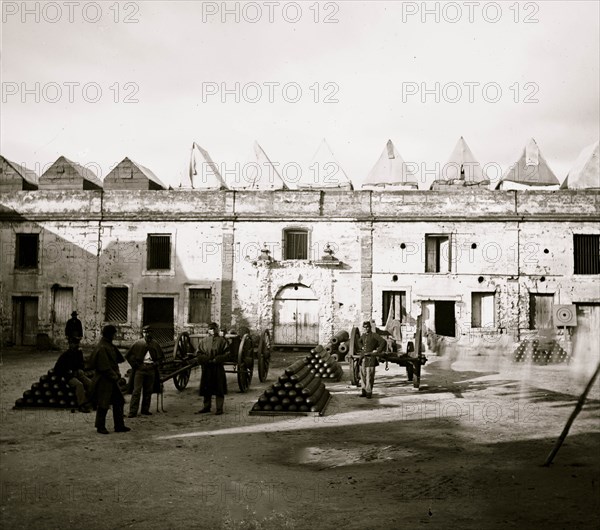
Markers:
<point>106,391</point>
<point>144,356</point>
<point>213,352</point>
<point>70,366</point>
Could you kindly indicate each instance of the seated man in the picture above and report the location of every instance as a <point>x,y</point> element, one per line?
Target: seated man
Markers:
<point>70,366</point>
<point>371,344</point>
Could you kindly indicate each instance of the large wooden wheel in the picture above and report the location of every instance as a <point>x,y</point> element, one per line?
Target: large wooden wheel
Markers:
<point>182,379</point>
<point>183,346</point>
<point>353,350</point>
<point>245,363</point>
<point>264,355</point>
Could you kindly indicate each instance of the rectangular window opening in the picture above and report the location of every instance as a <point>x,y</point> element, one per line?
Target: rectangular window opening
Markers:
<point>296,244</point>
<point>199,309</point>
<point>483,310</point>
<point>159,252</point>
<point>437,253</point>
<point>586,253</point>
<point>26,252</point>
<point>116,304</point>
<point>394,306</point>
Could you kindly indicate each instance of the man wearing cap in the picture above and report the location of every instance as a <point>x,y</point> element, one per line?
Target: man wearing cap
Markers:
<point>371,344</point>
<point>213,352</point>
<point>144,356</point>
<point>74,329</point>
<point>106,391</point>
<point>70,366</point>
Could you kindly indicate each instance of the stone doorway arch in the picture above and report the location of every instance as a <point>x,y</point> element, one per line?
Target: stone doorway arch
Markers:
<point>296,316</point>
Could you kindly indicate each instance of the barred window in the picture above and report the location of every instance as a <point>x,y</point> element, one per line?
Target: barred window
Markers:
<point>26,252</point>
<point>296,244</point>
<point>199,310</point>
<point>586,253</point>
<point>394,305</point>
<point>437,253</point>
<point>116,304</point>
<point>159,251</point>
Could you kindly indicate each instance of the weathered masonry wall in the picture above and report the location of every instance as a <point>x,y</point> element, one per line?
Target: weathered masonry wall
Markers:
<point>503,242</point>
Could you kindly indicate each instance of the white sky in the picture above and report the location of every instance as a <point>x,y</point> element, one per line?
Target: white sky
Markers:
<point>371,52</point>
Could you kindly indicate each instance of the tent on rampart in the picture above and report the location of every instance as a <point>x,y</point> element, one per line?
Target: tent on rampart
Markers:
<point>390,172</point>
<point>585,173</point>
<point>530,171</point>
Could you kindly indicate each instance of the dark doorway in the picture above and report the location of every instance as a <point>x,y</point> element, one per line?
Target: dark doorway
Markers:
<point>158,312</point>
<point>25,320</point>
<point>445,323</point>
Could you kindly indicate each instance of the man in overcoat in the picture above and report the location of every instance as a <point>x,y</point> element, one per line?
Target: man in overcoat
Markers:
<point>144,356</point>
<point>106,391</point>
<point>371,344</point>
<point>74,328</point>
<point>213,352</point>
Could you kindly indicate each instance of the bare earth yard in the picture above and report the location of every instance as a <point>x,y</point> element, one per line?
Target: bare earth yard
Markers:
<point>463,451</point>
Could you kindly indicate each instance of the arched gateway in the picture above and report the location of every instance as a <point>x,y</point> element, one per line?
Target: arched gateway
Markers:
<point>296,316</point>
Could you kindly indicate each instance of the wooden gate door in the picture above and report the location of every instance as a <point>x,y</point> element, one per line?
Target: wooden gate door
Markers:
<point>25,320</point>
<point>296,316</point>
<point>61,311</point>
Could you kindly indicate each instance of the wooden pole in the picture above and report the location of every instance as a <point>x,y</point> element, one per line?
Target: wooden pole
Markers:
<point>571,419</point>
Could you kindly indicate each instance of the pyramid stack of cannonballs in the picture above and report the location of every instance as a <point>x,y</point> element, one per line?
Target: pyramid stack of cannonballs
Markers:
<point>300,389</point>
<point>50,391</point>
<point>540,353</point>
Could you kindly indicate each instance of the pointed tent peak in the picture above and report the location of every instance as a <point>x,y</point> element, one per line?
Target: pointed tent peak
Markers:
<point>324,171</point>
<point>258,173</point>
<point>128,162</point>
<point>585,173</point>
<point>462,166</point>
<point>530,171</point>
<point>203,172</point>
<point>29,176</point>
<point>390,171</point>
<point>86,174</point>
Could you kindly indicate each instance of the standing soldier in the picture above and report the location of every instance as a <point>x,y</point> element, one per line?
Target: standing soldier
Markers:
<point>214,351</point>
<point>106,391</point>
<point>144,356</point>
<point>74,329</point>
<point>371,345</point>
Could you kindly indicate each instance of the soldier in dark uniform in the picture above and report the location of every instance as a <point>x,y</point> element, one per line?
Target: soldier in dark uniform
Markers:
<point>106,391</point>
<point>74,328</point>
<point>213,352</point>
<point>371,345</point>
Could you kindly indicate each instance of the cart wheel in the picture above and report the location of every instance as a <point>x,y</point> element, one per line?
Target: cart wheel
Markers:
<point>264,355</point>
<point>182,379</point>
<point>245,363</point>
<point>353,361</point>
<point>183,346</point>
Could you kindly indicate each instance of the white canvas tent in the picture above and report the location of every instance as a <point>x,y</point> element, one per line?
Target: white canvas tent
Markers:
<point>203,172</point>
<point>531,171</point>
<point>256,173</point>
<point>585,173</point>
<point>461,169</point>
<point>390,172</point>
<point>324,171</point>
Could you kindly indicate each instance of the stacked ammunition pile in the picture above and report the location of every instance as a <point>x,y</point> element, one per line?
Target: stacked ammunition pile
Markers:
<point>299,390</point>
<point>324,364</point>
<point>540,353</point>
<point>50,391</point>
<point>339,345</point>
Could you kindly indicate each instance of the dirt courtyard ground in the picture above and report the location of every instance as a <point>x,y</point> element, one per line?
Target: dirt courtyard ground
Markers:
<point>463,451</point>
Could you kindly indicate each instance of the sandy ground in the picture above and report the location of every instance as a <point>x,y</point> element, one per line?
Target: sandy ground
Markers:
<point>463,451</point>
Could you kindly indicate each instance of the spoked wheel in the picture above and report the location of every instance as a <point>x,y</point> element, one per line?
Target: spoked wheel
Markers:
<point>353,364</point>
<point>264,355</point>
<point>183,346</point>
<point>182,379</point>
<point>245,363</point>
